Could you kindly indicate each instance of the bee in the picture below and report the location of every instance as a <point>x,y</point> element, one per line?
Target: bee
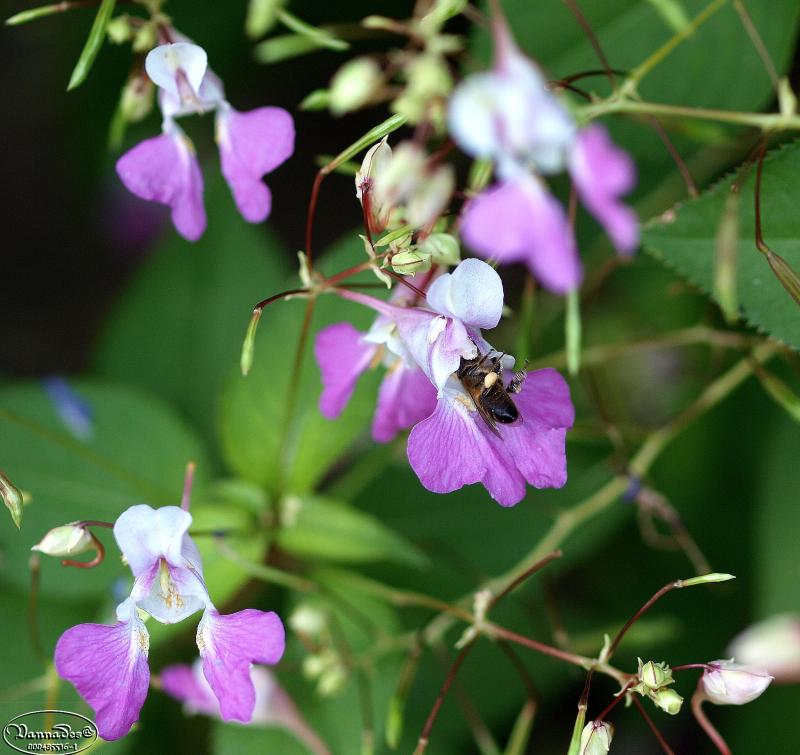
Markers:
<point>482,378</point>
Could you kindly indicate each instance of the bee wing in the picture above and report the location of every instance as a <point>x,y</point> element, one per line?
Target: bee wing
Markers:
<point>487,418</point>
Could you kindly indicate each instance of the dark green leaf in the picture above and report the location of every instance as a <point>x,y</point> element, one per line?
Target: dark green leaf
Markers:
<point>178,328</point>
<point>685,240</point>
<point>93,44</point>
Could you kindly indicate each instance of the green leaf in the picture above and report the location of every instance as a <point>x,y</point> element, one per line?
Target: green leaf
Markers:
<point>137,454</point>
<point>685,240</point>
<point>93,44</point>
<point>253,408</point>
<point>177,330</point>
<point>321,528</point>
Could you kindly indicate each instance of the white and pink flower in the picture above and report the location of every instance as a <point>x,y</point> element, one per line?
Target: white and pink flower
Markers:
<point>165,169</point>
<point>108,664</point>
<point>450,444</point>
<point>508,115</point>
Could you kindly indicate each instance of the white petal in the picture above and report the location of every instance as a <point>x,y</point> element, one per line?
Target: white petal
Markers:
<point>472,293</point>
<point>163,63</point>
<point>145,535</point>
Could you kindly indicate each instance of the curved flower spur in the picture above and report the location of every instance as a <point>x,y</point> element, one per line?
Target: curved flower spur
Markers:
<point>108,664</point>
<point>165,169</point>
<point>451,443</point>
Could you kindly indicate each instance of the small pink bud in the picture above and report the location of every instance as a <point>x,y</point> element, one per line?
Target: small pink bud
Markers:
<point>728,683</point>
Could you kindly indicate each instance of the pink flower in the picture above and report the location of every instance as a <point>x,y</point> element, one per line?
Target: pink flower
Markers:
<point>108,664</point>
<point>273,707</point>
<point>164,169</point>
<point>455,445</point>
<point>772,644</point>
<point>728,683</point>
<point>508,115</point>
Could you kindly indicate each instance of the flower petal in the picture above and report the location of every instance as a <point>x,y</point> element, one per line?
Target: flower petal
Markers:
<point>342,355</point>
<point>108,667</point>
<point>228,646</point>
<point>406,397</point>
<point>187,684</point>
<point>602,173</point>
<point>472,293</point>
<point>251,145</point>
<point>145,535</point>
<point>537,442</point>
<point>451,449</point>
<point>164,169</point>
<point>165,61</point>
<point>520,220</point>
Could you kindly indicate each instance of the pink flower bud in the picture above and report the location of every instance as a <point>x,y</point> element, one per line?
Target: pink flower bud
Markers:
<point>728,683</point>
<point>772,644</point>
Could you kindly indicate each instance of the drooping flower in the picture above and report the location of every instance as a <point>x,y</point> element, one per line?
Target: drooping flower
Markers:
<point>273,707</point>
<point>108,664</point>
<point>165,169</point>
<point>455,445</point>
<point>729,683</point>
<point>772,644</point>
<point>509,116</point>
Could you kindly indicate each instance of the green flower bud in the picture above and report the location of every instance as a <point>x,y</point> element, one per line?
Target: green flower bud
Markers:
<point>319,99</point>
<point>431,197</point>
<point>354,85</point>
<point>654,675</point>
<point>443,249</point>
<point>667,699</point>
<point>146,38</point>
<point>261,17</point>
<point>411,262</point>
<point>67,540</point>
<point>119,30</point>
<point>136,100</point>
<point>12,498</point>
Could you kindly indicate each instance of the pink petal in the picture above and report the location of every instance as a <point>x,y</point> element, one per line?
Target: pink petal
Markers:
<point>342,355</point>
<point>520,221</point>
<point>602,173</point>
<point>450,449</point>
<point>406,397</point>
<point>164,169</point>
<point>182,682</point>
<point>108,666</point>
<point>251,145</point>
<point>228,646</point>
<point>537,442</point>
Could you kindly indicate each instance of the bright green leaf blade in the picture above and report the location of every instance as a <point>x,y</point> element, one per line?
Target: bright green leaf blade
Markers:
<point>329,530</point>
<point>137,454</point>
<point>93,44</point>
<point>253,408</point>
<point>685,240</point>
<point>177,330</point>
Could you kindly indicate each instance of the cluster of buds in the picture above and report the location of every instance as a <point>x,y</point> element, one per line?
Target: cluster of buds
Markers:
<point>416,80</point>
<point>653,681</point>
<point>323,663</point>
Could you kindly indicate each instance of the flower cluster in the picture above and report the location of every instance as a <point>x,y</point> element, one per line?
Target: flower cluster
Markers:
<point>509,116</point>
<point>108,664</point>
<point>434,352</point>
<point>165,169</point>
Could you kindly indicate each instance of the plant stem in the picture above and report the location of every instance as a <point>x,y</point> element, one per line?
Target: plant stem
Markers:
<point>649,721</point>
<point>697,709</point>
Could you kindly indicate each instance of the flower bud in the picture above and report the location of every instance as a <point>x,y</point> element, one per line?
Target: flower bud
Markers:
<point>354,85</point>
<point>728,683</point>
<point>654,675</point>
<point>430,197</point>
<point>12,498</point>
<point>137,98</point>
<point>375,163</point>
<point>146,38</point>
<point>399,177</point>
<point>410,262</point>
<point>119,30</point>
<point>596,738</point>
<point>309,620</point>
<point>667,699</point>
<point>443,249</point>
<point>772,644</point>
<point>67,540</point>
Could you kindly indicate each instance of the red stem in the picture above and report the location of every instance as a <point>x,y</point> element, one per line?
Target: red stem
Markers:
<point>638,615</point>
<point>706,725</point>
<point>649,721</point>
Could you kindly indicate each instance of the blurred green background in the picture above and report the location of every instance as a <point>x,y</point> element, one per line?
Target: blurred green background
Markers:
<point>97,285</point>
